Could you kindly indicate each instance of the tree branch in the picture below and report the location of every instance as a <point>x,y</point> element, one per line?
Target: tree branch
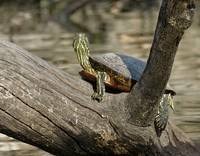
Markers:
<point>174,18</point>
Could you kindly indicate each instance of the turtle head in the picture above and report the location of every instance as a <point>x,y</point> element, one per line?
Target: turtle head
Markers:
<point>81,42</point>
<point>81,47</point>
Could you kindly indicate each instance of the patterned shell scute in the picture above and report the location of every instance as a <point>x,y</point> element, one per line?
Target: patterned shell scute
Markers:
<point>125,65</point>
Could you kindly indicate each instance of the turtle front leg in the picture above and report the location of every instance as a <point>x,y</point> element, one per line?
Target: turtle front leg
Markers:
<point>100,86</point>
<point>163,113</point>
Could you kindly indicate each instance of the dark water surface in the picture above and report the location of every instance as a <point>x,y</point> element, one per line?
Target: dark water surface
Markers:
<point>127,33</point>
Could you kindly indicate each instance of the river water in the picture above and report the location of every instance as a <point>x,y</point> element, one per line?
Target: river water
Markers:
<point>129,33</point>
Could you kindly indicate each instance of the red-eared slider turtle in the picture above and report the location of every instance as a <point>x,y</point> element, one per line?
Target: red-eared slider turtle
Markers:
<point>119,72</point>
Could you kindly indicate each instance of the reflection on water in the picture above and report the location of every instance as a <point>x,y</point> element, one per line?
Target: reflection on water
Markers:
<point>132,33</point>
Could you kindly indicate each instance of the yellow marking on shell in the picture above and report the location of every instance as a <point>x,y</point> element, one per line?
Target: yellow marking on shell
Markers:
<point>122,80</point>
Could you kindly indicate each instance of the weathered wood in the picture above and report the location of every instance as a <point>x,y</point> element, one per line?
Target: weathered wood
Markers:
<point>174,18</point>
<point>48,108</point>
<point>52,110</point>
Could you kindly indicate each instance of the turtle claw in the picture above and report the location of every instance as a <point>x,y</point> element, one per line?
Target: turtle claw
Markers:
<point>96,96</point>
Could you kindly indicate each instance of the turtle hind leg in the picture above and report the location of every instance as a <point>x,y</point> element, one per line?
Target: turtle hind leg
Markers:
<point>162,116</point>
<point>100,87</point>
<point>160,125</point>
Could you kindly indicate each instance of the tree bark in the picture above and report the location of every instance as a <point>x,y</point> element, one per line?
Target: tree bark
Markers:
<point>174,18</point>
<point>46,107</point>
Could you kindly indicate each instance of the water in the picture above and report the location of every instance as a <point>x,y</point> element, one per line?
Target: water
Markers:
<point>128,33</point>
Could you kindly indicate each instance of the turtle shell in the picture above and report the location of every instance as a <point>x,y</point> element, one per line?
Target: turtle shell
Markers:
<point>124,71</point>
